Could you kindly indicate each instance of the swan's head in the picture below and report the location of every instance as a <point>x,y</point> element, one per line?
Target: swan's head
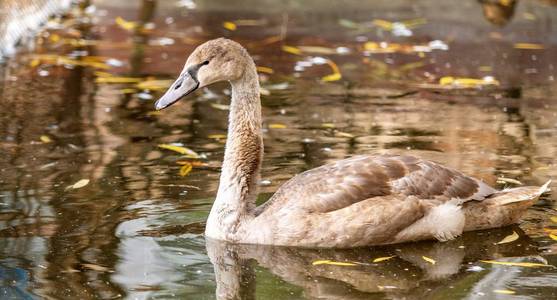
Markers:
<point>213,61</point>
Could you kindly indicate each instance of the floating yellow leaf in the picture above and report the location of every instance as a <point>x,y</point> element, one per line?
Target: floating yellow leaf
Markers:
<point>504,292</point>
<point>429,260</point>
<point>509,238</point>
<point>508,180</point>
<point>515,264</point>
<point>553,219</point>
<point>317,50</point>
<point>117,79</point>
<point>54,38</point>
<point>79,184</point>
<point>102,74</point>
<point>185,169</point>
<point>553,236</point>
<point>34,63</point>
<point>328,125</point>
<point>336,72</point>
<point>334,263</point>
<point>154,113</point>
<point>128,91</point>
<point>344,134</point>
<point>127,25</point>
<point>229,25</point>
<point>468,82</point>
<point>217,136</point>
<point>383,24</point>
<point>292,50</point>
<point>380,259</point>
<point>157,84</point>
<point>46,139</point>
<point>411,66</point>
<point>277,126</point>
<point>250,22</point>
<point>265,70</point>
<point>528,46</point>
<point>182,150</point>
<point>220,106</point>
<point>332,77</point>
<point>414,22</point>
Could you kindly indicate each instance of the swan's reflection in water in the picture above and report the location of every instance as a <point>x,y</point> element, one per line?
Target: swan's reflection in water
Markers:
<point>407,275</point>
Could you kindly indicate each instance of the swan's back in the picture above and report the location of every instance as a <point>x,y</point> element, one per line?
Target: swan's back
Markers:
<point>383,199</point>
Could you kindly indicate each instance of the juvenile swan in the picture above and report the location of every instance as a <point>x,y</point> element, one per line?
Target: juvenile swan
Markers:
<point>360,201</point>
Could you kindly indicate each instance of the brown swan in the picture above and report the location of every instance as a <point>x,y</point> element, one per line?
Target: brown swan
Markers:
<point>359,201</point>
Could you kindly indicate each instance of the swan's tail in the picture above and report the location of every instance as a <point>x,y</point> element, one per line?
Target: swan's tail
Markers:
<point>502,208</point>
<point>520,194</point>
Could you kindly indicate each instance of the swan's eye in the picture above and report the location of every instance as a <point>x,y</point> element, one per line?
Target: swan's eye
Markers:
<point>205,63</point>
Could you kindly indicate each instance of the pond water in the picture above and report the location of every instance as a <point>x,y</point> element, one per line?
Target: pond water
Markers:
<point>92,208</point>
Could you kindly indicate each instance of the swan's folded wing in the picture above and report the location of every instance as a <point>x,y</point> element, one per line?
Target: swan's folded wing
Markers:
<point>343,183</point>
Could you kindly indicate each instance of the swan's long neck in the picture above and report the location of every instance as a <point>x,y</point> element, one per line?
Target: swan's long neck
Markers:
<point>243,155</point>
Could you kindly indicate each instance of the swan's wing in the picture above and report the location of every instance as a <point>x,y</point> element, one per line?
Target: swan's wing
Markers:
<point>343,183</point>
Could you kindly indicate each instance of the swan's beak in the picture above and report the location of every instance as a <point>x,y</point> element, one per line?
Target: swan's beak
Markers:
<point>183,86</point>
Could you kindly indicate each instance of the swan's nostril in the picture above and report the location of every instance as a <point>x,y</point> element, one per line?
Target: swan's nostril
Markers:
<point>178,84</point>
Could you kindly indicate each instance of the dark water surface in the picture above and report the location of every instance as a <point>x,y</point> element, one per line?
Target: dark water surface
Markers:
<point>135,229</point>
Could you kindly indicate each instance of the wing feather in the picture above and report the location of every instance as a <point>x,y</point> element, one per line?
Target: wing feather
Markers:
<point>340,184</point>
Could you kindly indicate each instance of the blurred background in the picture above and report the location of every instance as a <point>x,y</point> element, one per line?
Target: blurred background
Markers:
<point>101,197</point>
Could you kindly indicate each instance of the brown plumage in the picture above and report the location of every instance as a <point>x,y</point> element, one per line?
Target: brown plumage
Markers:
<point>359,201</point>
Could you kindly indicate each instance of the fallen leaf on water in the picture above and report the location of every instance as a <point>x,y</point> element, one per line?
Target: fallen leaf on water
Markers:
<point>509,238</point>
<point>34,63</point>
<point>468,82</point>
<point>250,22</point>
<point>336,72</point>
<point>95,62</point>
<point>508,180</point>
<point>411,66</point>
<point>79,184</point>
<point>515,264</point>
<point>344,134</point>
<point>185,169</point>
<point>265,70</point>
<point>291,50</point>
<point>182,150</point>
<point>156,84</point>
<point>229,25</point>
<point>504,292</point>
<point>334,263</point>
<point>553,236</point>
<point>95,267</point>
<point>380,259</point>
<point>277,126</point>
<point>383,24</point>
<point>102,74</point>
<point>328,125</point>
<point>264,91</point>
<point>332,77</point>
<point>528,46</point>
<point>429,260</point>
<point>154,113</point>
<point>127,25</point>
<point>217,136</point>
<point>115,79</point>
<point>46,139</point>
<point>128,91</point>
<point>317,50</point>
<point>553,219</point>
<point>220,106</point>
